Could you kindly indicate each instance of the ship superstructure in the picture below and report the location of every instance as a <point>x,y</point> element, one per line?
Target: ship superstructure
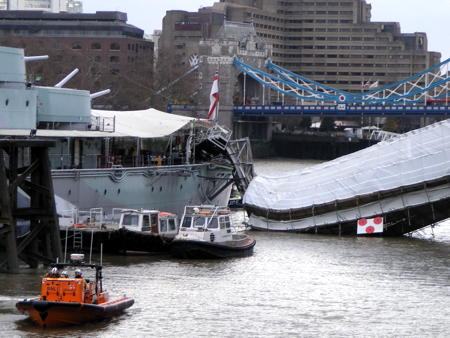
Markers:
<point>108,159</point>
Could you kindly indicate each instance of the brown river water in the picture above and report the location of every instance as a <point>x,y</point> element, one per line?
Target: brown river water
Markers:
<point>294,285</point>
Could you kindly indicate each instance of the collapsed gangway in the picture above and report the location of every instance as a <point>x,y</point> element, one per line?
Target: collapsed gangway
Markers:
<point>405,180</point>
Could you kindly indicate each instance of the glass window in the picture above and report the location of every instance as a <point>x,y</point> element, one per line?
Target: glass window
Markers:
<point>163,225</point>
<point>76,45</point>
<point>199,222</point>
<point>130,220</point>
<point>114,46</point>
<point>222,222</point>
<point>227,222</point>
<point>146,224</point>
<point>213,224</point>
<point>186,222</point>
<point>172,224</point>
<point>96,45</point>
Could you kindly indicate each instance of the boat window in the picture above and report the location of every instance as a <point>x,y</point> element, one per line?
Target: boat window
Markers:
<point>172,225</point>
<point>227,222</point>
<point>222,222</point>
<point>199,222</point>
<point>130,220</point>
<point>146,223</point>
<point>213,223</point>
<point>187,222</point>
<point>163,225</point>
<point>154,220</point>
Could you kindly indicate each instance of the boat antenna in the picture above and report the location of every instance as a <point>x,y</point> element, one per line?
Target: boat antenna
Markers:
<point>101,254</point>
<point>65,244</point>
<point>66,79</point>
<point>92,241</point>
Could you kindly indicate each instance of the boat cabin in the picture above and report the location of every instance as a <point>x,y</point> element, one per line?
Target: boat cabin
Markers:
<point>152,221</point>
<point>206,223</point>
<point>57,287</point>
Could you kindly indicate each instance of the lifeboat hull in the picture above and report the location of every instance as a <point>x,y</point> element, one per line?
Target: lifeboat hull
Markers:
<point>57,314</point>
<point>211,250</point>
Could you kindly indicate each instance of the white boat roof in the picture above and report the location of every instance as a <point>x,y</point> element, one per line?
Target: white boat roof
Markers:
<point>149,123</point>
<point>419,156</point>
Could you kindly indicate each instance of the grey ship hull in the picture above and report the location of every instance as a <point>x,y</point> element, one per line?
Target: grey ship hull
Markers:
<point>165,188</point>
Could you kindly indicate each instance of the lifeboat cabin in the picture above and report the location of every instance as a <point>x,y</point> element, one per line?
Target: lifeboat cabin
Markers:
<point>72,300</point>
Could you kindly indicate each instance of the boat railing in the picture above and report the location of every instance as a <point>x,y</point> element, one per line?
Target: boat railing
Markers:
<point>107,124</point>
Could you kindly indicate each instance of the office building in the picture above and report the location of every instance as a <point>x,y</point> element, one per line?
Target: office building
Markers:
<point>109,52</point>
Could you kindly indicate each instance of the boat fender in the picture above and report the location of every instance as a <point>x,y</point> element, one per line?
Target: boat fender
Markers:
<point>79,225</point>
<point>212,237</point>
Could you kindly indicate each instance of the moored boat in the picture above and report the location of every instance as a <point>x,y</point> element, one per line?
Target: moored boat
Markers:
<point>72,301</point>
<point>206,232</point>
<point>138,230</point>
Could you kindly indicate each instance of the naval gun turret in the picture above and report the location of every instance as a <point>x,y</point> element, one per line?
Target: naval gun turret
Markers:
<point>26,106</point>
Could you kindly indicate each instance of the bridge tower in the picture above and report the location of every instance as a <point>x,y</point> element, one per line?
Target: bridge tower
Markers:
<point>234,40</point>
<point>29,225</point>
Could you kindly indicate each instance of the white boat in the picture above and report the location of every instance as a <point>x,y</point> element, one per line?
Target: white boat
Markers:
<point>206,232</point>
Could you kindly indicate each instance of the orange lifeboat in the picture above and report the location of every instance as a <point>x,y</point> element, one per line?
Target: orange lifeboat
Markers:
<point>72,301</point>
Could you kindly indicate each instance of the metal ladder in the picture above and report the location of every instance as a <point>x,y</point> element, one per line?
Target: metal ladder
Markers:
<point>240,154</point>
<point>77,240</point>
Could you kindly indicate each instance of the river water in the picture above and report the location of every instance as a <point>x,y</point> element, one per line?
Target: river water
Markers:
<point>294,285</point>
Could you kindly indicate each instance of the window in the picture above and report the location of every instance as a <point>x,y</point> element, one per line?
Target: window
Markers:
<point>114,46</point>
<point>187,222</point>
<point>130,220</point>
<point>76,45</point>
<point>199,222</point>
<point>213,224</point>
<point>146,223</point>
<point>163,225</point>
<point>114,59</point>
<point>172,224</point>
<point>96,45</point>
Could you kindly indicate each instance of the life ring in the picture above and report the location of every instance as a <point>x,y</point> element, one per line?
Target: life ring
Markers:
<point>204,212</point>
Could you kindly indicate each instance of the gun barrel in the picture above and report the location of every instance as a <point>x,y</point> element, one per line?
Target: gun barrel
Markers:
<point>101,93</point>
<point>67,78</point>
<point>35,58</point>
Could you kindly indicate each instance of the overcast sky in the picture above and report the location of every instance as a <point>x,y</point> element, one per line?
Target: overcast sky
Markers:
<point>429,16</point>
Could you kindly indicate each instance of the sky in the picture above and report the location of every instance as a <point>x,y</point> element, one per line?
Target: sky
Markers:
<point>429,16</point>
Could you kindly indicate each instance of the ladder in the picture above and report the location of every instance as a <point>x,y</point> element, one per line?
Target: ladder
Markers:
<point>77,240</point>
<point>240,153</point>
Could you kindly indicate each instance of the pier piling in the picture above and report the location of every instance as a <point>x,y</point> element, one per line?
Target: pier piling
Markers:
<point>29,230</point>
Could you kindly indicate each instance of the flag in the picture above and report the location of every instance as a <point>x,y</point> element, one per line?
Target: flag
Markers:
<point>365,84</point>
<point>374,85</point>
<point>214,98</point>
<point>367,226</point>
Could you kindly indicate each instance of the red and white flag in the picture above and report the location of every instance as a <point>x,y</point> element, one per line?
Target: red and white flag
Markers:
<point>367,226</point>
<point>214,98</point>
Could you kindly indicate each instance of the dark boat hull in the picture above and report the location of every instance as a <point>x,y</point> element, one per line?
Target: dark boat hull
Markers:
<point>57,314</point>
<point>211,250</point>
<point>119,241</point>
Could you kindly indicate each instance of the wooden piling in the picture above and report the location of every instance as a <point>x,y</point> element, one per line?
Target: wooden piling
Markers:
<point>30,176</point>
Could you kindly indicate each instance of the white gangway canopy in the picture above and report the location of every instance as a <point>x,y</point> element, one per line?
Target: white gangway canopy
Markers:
<point>149,123</point>
<point>410,159</point>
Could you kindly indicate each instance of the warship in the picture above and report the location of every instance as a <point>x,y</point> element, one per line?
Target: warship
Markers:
<point>118,159</point>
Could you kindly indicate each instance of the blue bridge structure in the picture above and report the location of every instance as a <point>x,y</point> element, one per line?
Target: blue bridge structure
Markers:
<point>425,94</point>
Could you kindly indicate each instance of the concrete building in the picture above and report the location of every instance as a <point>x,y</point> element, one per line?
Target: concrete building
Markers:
<point>333,42</point>
<point>55,6</point>
<point>109,53</point>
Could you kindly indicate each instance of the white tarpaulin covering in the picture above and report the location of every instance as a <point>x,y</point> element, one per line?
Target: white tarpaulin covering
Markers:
<point>150,123</point>
<point>412,158</point>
